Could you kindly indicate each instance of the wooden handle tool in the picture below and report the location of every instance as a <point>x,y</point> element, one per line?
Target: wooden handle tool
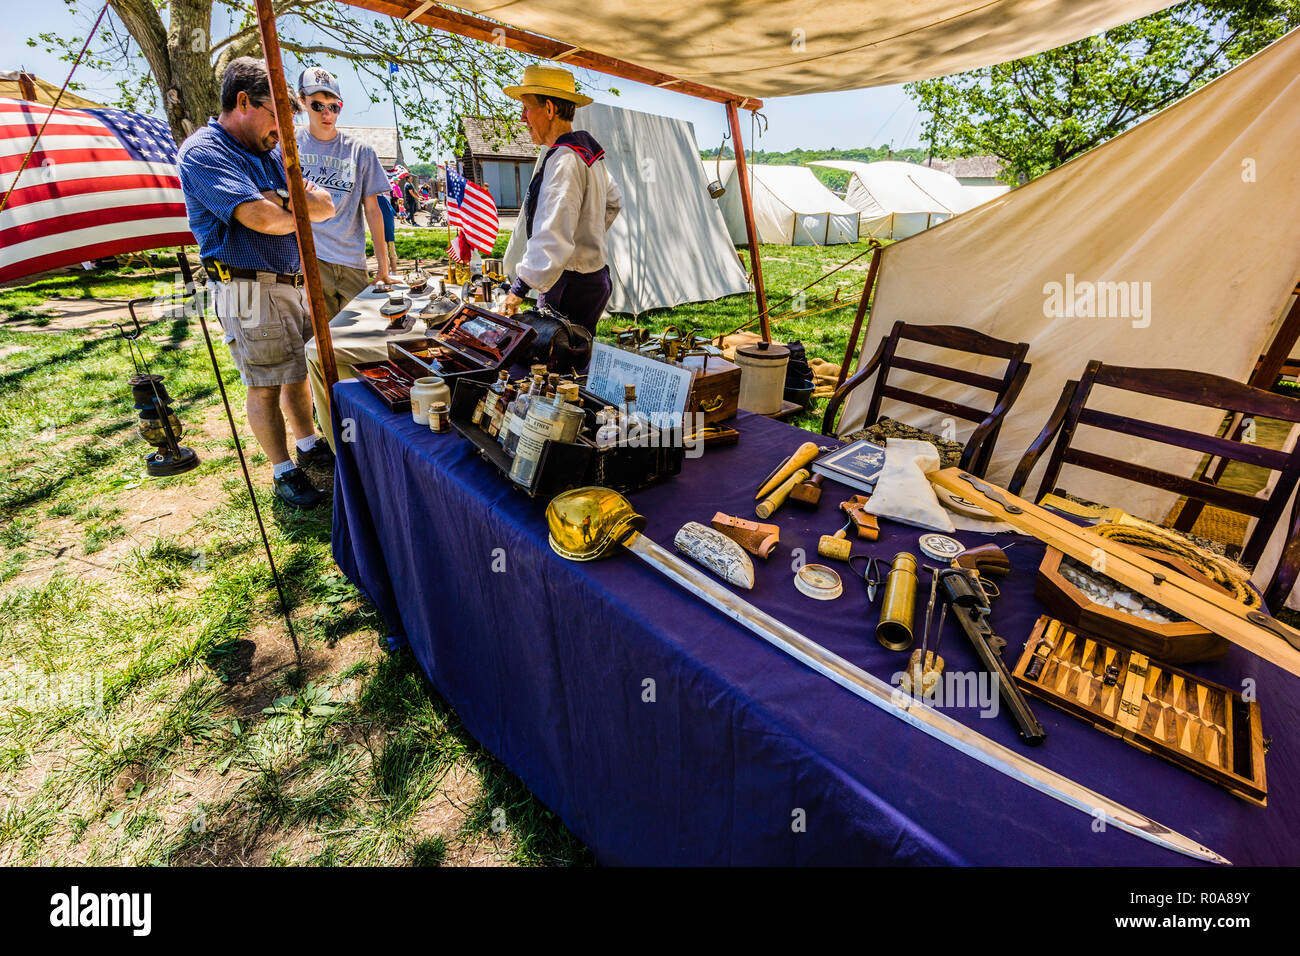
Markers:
<point>808,493</point>
<point>804,454</point>
<point>757,539</point>
<point>836,546</point>
<point>777,498</point>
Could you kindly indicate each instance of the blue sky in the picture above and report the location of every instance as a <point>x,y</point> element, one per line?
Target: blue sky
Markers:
<point>859,118</point>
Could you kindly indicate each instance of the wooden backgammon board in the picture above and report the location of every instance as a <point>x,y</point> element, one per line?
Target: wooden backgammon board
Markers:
<point>1201,726</point>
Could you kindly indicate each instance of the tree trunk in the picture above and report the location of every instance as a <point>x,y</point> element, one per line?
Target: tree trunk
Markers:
<point>194,94</point>
<point>178,57</point>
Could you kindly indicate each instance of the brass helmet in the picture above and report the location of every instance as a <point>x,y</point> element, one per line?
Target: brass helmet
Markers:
<point>588,523</point>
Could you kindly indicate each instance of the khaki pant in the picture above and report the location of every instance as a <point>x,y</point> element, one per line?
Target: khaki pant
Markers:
<point>341,285</point>
<point>266,324</point>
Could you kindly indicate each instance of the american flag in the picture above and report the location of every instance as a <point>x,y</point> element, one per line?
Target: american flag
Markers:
<point>100,183</point>
<point>471,208</point>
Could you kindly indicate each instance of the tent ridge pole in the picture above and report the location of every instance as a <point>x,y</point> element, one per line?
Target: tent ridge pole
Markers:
<point>320,322</point>
<point>751,232</point>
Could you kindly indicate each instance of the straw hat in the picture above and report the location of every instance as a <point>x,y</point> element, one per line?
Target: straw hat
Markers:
<point>548,81</point>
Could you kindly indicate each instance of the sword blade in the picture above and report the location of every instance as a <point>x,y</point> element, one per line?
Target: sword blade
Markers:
<point>914,712</point>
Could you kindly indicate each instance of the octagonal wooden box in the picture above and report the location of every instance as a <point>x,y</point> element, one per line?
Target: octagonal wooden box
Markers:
<point>1181,642</point>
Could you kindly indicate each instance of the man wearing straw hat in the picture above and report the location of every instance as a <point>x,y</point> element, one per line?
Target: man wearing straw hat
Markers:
<point>571,203</point>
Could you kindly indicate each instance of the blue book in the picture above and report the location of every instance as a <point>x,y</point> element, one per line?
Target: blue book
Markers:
<point>857,465</point>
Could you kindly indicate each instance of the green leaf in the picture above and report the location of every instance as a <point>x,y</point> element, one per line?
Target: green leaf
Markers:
<point>115,819</point>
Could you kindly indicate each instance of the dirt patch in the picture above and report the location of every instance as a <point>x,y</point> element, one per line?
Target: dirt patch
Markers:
<point>266,672</point>
<point>153,512</point>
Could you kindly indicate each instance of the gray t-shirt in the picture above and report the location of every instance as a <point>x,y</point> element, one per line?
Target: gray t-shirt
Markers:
<point>350,170</point>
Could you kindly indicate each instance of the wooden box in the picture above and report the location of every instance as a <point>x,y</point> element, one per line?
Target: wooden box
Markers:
<point>472,343</point>
<point>1198,725</point>
<point>1181,642</point>
<point>715,389</point>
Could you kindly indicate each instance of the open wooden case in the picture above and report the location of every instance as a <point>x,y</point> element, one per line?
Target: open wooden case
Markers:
<point>472,343</point>
<point>1201,726</point>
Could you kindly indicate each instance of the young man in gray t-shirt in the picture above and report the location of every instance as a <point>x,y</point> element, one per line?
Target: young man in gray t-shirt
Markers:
<point>350,171</point>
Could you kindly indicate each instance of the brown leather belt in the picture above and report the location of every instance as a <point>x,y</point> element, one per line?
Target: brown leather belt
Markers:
<point>222,272</point>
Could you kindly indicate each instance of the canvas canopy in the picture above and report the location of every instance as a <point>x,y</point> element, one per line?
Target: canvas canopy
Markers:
<point>670,244</point>
<point>898,200</point>
<point>1173,245</point>
<point>791,207</point>
<point>781,47</point>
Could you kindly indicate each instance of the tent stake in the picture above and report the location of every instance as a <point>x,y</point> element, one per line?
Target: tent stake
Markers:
<point>320,322</point>
<point>751,232</point>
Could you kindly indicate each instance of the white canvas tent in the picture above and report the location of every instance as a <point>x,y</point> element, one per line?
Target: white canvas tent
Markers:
<point>898,200</point>
<point>669,245</point>
<point>791,207</point>
<point>1191,212</point>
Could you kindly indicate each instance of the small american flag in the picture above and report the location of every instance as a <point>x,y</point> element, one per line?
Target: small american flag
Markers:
<point>100,183</point>
<point>471,208</point>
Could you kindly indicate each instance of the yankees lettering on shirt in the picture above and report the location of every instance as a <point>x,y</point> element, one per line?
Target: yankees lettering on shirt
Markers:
<point>329,172</point>
<point>76,909</point>
<point>349,171</point>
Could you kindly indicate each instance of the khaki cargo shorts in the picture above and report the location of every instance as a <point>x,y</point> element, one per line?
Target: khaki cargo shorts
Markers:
<point>267,325</point>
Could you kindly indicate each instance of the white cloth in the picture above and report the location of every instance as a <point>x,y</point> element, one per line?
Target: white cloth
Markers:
<point>903,493</point>
<point>576,205</point>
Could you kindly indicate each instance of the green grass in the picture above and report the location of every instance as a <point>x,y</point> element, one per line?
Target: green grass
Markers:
<point>151,711</point>
<point>431,243</point>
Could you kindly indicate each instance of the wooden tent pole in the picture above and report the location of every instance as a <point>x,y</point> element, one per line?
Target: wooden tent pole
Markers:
<point>1265,374</point>
<point>320,322</point>
<point>851,349</point>
<point>751,232</point>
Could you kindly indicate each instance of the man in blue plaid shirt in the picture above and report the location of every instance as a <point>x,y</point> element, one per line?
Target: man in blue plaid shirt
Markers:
<point>232,175</point>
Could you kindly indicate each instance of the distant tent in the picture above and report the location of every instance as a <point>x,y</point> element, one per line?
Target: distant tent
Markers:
<point>898,200</point>
<point>979,195</point>
<point>791,207</point>
<point>670,244</point>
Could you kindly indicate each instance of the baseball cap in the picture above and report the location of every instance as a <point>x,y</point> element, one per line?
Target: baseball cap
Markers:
<point>315,80</point>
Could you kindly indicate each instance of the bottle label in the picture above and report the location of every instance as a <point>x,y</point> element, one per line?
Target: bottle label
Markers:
<point>537,431</point>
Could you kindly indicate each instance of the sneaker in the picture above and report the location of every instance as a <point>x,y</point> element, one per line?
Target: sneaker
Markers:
<point>318,456</point>
<point>297,490</point>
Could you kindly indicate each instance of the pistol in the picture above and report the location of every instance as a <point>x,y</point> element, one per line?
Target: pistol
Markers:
<point>964,592</point>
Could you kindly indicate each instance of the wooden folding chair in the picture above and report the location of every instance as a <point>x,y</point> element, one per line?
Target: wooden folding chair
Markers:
<point>978,449</point>
<point>1193,388</point>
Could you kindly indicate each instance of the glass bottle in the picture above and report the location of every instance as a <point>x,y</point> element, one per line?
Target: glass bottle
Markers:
<point>490,400</point>
<point>570,411</point>
<point>606,427</point>
<point>632,422</point>
<point>499,413</point>
<point>515,412</point>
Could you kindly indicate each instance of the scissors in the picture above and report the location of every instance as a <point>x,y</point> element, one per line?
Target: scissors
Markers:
<point>870,574</point>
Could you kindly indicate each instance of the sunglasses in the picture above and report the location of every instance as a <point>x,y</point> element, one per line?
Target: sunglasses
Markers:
<point>319,107</point>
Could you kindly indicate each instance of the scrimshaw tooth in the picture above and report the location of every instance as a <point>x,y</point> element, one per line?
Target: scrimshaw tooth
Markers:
<point>716,552</point>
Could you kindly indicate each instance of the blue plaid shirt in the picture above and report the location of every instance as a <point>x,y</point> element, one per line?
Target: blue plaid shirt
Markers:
<point>219,173</point>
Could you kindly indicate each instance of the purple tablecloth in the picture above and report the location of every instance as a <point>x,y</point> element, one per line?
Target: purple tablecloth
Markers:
<point>662,732</point>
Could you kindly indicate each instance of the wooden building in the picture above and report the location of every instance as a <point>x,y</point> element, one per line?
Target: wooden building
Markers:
<point>499,156</point>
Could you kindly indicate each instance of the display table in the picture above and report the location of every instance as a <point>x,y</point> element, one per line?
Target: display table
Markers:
<point>662,732</point>
<point>359,334</point>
